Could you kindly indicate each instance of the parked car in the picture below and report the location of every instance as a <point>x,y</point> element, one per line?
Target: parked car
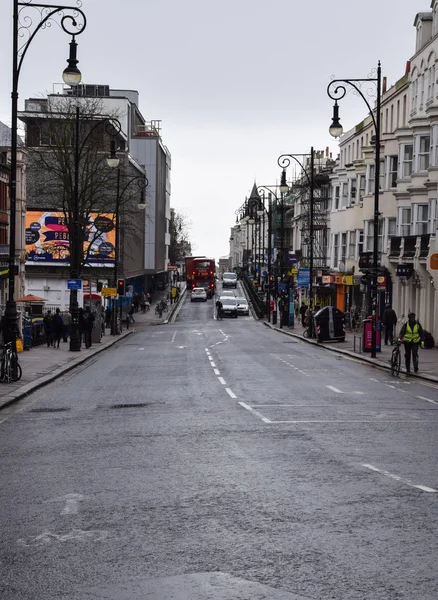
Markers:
<point>227,294</point>
<point>198,294</point>
<point>242,306</point>
<point>229,280</point>
<point>229,307</point>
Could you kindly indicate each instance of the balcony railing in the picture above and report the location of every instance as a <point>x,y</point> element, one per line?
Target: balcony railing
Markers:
<point>395,245</point>
<point>410,242</point>
<point>424,245</point>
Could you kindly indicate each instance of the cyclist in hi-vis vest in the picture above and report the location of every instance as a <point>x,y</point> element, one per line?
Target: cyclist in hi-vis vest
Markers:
<point>411,334</point>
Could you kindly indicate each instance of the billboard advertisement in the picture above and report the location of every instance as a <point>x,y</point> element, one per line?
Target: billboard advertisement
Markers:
<point>47,238</point>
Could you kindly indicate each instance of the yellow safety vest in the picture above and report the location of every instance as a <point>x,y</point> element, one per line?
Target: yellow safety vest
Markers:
<point>412,335</point>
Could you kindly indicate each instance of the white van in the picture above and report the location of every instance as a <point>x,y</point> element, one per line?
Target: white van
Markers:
<point>229,280</point>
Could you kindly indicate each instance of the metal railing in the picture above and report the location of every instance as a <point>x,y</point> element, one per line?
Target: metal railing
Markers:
<point>256,298</point>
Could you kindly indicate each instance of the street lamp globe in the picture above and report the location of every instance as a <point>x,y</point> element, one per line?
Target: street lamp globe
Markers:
<point>71,74</point>
<point>336,129</point>
<point>284,188</point>
<point>113,160</point>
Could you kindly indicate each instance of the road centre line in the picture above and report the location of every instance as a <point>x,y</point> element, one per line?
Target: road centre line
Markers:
<point>427,399</point>
<point>255,412</point>
<point>336,421</point>
<point>173,337</point>
<point>333,389</point>
<point>212,363</point>
<point>216,371</point>
<point>230,393</point>
<point>222,380</point>
<point>423,488</point>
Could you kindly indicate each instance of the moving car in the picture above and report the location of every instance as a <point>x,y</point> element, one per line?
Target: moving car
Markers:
<point>229,280</point>
<point>242,306</point>
<point>206,286</point>
<point>198,294</point>
<point>229,307</point>
<point>227,294</point>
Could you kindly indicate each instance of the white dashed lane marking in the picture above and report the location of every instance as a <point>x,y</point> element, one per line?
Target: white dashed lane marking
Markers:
<point>222,380</point>
<point>255,412</point>
<point>423,488</point>
<point>216,371</point>
<point>333,389</point>
<point>230,393</point>
<point>427,399</point>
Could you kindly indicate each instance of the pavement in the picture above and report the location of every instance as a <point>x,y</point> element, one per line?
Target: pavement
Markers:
<point>428,359</point>
<point>42,365</point>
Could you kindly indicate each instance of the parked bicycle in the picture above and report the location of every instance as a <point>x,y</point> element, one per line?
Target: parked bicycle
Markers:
<point>395,360</point>
<point>10,369</point>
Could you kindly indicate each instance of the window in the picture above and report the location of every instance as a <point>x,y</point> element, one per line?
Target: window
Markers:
<point>397,118</point>
<point>431,83</point>
<point>359,241</point>
<point>337,196</point>
<point>414,93</point>
<point>405,102</point>
<point>405,221</point>
<point>370,179</point>
<point>392,227</point>
<point>353,191</point>
<point>362,182</point>
<point>422,221</point>
<point>370,236</point>
<point>344,194</point>
<point>407,152</point>
<point>392,171</point>
<point>391,125</point>
<point>352,245</point>
<point>432,215</point>
<point>343,246</point>
<point>335,250</point>
<point>421,90</point>
<point>423,152</point>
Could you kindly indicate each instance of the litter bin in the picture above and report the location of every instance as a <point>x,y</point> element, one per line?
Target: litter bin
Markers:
<point>367,336</point>
<point>329,324</point>
<point>27,336</point>
<point>274,317</point>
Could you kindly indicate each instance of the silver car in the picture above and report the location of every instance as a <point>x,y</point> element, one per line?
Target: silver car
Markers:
<point>242,306</point>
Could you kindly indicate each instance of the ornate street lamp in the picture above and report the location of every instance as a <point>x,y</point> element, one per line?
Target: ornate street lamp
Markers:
<point>336,90</point>
<point>24,27</point>
<point>284,161</point>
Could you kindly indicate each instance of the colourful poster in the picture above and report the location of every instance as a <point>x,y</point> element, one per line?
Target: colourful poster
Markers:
<point>47,238</point>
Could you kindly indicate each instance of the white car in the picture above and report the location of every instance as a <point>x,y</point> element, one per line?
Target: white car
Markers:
<point>227,294</point>
<point>198,294</point>
<point>242,306</point>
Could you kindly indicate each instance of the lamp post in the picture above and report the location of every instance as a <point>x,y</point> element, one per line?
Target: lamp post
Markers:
<point>142,183</point>
<point>268,212</point>
<point>25,27</point>
<point>284,161</point>
<point>113,128</point>
<point>336,90</point>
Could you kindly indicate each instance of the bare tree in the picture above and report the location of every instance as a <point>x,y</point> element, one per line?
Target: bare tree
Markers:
<point>180,245</point>
<point>56,153</point>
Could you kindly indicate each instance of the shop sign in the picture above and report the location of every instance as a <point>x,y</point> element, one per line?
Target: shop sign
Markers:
<point>337,279</point>
<point>405,270</point>
<point>433,262</point>
<point>347,279</point>
<point>326,279</point>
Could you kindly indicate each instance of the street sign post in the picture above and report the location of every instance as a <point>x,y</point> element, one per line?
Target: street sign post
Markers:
<point>74,284</point>
<point>107,291</point>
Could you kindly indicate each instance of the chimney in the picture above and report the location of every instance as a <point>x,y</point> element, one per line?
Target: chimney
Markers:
<point>326,151</point>
<point>384,85</point>
<point>408,67</point>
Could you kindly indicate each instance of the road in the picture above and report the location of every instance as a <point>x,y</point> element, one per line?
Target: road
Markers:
<point>220,460</point>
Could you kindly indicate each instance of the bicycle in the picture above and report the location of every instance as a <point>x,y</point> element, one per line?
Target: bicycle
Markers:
<point>10,369</point>
<point>395,360</point>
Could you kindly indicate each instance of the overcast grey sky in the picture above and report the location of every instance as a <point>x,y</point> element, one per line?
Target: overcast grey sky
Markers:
<point>236,83</point>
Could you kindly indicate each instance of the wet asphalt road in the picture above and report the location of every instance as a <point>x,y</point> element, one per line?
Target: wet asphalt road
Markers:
<point>223,461</point>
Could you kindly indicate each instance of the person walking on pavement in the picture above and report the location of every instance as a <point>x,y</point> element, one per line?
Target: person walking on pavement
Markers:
<point>303,309</point>
<point>88,326</point>
<point>389,321</point>
<point>173,295</point>
<point>58,326</point>
<point>66,317</point>
<point>48,328</point>
<point>411,334</point>
<point>108,317</point>
<point>131,314</point>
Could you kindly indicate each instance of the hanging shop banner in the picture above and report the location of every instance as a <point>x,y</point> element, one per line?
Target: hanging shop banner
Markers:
<point>47,238</point>
<point>326,279</point>
<point>303,277</point>
<point>347,279</point>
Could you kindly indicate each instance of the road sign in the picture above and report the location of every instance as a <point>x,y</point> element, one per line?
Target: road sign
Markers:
<point>107,291</point>
<point>74,284</point>
<point>303,277</point>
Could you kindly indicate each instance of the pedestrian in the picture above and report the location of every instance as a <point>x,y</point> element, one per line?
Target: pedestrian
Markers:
<point>389,320</point>
<point>58,326</point>
<point>48,328</point>
<point>108,315</point>
<point>143,302</point>
<point>88,326</point>
<point>411,334</point>
<point>303,309</point>
<point>173,295</point>
<point>81,326</point>
<point>66,317</point>
<point>136,301</point>
<point>131,314</point>
<point>148,298</point>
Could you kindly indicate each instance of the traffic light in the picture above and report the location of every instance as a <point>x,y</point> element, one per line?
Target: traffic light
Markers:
<point>121,287</point>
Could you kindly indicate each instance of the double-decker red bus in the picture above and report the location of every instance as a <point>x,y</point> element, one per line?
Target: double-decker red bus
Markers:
<point>204,274</point>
